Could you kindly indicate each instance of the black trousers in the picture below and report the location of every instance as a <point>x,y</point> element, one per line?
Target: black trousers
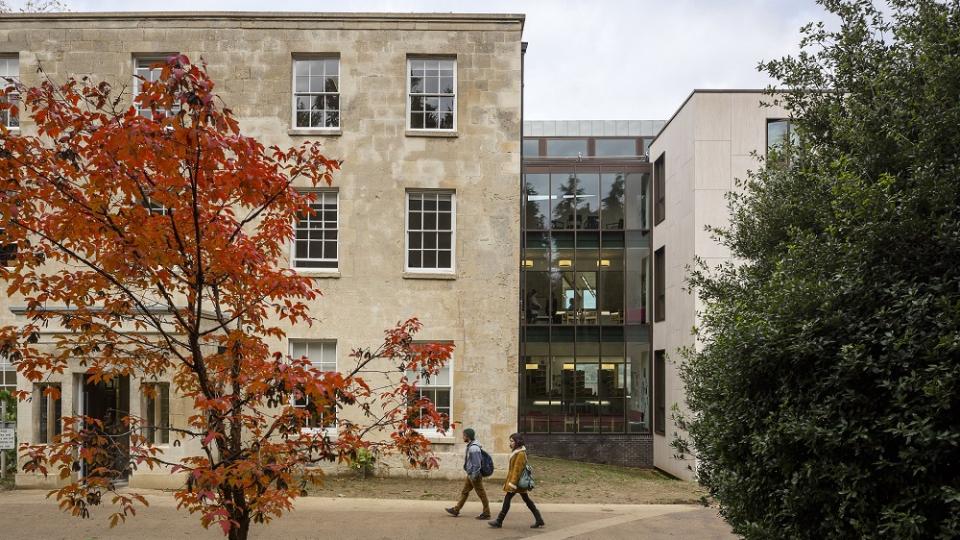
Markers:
<point>526,498</point>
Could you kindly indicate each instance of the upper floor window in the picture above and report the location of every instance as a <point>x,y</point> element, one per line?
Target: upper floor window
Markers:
<point>316,234</point>
<point>659,189</point>
<point>615,147</point>
<point>316,93</point>
<point>432,88</point>
<point>430,221</point>
<point>567,147</point>
<point>323,356</point>
<point>659,285</point>
<point>147,69</point>
<point>780,134</point>
<point>9,76</point>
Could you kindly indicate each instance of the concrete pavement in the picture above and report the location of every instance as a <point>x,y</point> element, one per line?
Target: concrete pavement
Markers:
<point>26,514</point>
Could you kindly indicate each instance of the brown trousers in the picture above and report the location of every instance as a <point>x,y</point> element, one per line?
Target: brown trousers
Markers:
<point>474,485</point>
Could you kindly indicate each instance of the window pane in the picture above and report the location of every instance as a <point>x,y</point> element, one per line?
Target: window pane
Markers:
<point>566,147</point>
<point>588,201</point>
<point>612,188</point>
<point>531,147</point>
<point>563,194</point>
<point>537,201</point>
<point>615,147</point>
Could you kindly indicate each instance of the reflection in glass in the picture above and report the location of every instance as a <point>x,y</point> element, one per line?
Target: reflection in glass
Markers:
<point>536,209</point>
<point>536,253</point>
<point>638,201</point>
<point>612,192</point>
<point>564,191</point>
<point>561,389</point>
<point>566,147</point>
<point>588,201</point>
<point>585,297</point>
<point>611,304</point>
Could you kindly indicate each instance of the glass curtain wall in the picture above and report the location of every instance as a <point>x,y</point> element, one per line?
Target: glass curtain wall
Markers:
<point>585,343</point>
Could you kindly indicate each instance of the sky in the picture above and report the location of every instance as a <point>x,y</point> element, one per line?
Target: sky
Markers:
<point>598,59</point>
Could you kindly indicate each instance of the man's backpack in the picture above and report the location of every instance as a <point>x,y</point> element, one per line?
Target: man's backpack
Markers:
<point>486,463</point>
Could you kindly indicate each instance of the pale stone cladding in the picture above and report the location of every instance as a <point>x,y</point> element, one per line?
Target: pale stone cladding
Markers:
<point>250,55</point>
<point>713,139</point>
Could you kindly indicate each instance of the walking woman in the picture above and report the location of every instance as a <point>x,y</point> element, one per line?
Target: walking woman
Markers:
<point>518,461</point>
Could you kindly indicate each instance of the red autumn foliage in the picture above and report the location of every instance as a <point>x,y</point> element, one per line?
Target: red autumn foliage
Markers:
<point>153,246</point>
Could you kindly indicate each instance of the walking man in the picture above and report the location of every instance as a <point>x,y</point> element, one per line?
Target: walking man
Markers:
<point>472,462</point>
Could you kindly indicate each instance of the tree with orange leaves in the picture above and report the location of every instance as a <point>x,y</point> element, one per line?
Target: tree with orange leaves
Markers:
<point>152,245</point>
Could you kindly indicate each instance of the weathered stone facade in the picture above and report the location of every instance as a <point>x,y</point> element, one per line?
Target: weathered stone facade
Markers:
<point>250,56</point>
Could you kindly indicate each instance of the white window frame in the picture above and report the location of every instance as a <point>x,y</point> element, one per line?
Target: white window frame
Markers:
<point>434,433</point>
<point>409,75</point>
<point>407,231</point>
<point>6,366</point>
<point>159,431</point>
<point>327,431</point>
<point>53,426</point>
<point>293,93</point>
<point>148,59</point>
<point>11,69</point>
<point>293,241</point>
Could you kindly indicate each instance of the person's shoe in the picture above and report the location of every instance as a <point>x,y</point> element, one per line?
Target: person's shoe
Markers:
<point>495,523</point>
<point>452,511</point>
<point>537,525</point>
<point>483,516</point>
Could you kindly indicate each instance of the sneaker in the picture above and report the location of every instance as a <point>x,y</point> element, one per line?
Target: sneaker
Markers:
<point>483,516</point>
<point>452,511</point>
<point>495,524</point>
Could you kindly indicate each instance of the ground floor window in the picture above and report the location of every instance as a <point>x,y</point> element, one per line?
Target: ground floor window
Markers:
<point>156,413</point>
<point>47,412</point>
<point>323,356</point>
<point>585,380</point>
<point>438,389</point>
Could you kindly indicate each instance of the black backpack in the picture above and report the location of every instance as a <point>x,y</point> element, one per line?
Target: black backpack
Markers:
<point>486,463</point>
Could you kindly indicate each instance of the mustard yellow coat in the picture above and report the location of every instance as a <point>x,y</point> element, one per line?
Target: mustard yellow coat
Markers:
<point>518,460</point>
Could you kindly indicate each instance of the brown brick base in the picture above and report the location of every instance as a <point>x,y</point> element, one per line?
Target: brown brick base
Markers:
<point>627,450</point>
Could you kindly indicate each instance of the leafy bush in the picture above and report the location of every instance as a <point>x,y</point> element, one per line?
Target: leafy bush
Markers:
<point>826,397</point>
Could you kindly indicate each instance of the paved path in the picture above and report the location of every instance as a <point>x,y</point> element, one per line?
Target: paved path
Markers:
<point>26,514</point>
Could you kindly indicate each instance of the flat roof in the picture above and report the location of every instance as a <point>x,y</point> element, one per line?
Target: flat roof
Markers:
<point>705,91</point>
<point>299,16</point>
<point>591,128</point>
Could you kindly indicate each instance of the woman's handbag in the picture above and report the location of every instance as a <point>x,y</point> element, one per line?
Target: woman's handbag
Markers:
<point>526,478</point>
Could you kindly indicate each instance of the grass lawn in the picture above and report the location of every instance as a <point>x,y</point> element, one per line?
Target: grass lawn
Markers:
<point>558,480</point>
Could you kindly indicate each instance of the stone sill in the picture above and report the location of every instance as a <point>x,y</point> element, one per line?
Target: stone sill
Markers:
<point>318,275</point>
<point>432,133</point>
<point>442,440</point>
<point>429,275</point>
<point>314,132</point>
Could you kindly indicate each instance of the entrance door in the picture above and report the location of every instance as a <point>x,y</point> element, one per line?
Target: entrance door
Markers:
<point>109,402</point>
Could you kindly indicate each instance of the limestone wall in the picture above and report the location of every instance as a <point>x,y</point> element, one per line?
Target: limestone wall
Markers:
<point>250,58</point>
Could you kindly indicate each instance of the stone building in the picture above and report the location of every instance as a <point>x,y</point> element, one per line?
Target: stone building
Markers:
<point>423,219</point>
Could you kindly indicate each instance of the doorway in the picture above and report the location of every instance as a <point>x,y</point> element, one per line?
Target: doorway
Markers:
<point>109,402</point>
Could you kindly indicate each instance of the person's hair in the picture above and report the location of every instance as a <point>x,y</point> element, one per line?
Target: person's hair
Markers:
<point>518,439</point>
<point>470,434</point>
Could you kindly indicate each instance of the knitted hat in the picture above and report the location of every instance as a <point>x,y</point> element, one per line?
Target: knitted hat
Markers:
<point>470,433</point>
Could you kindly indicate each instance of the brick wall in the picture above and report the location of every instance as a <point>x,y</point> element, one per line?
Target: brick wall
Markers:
<point>628,450</point>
